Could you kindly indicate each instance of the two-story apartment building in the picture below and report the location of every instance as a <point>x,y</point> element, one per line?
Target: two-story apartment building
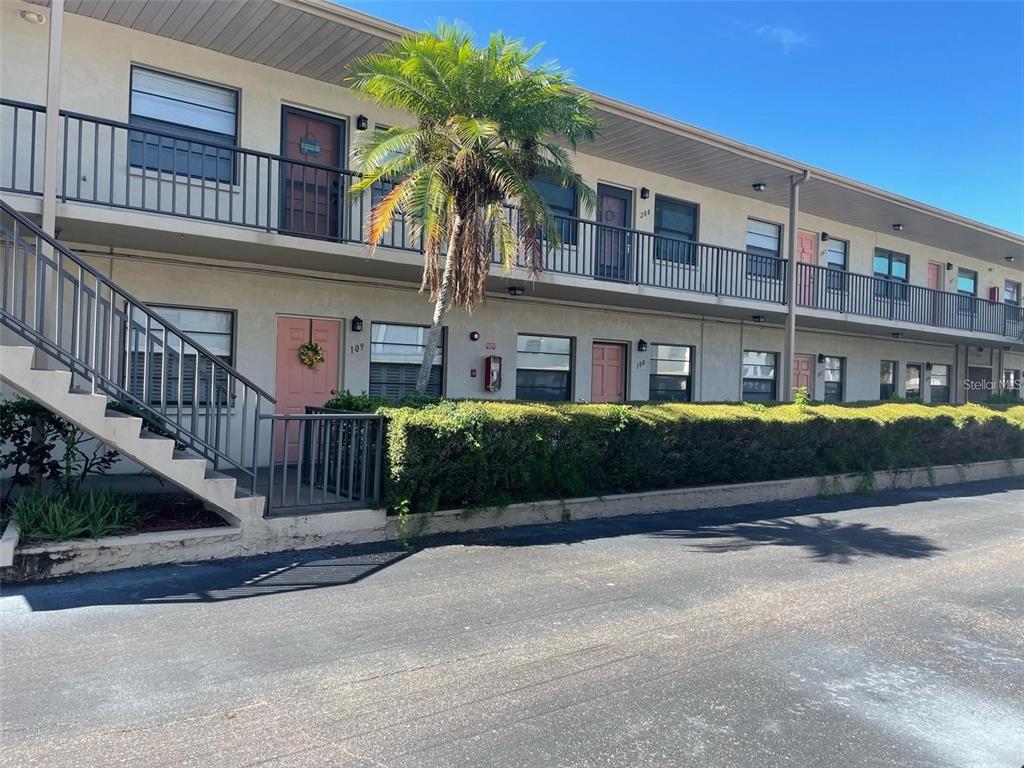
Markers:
<point>200,162</point>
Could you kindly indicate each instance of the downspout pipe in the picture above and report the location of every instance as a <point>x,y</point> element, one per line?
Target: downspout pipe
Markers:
<point>789,345</point>
<point>51,122</point>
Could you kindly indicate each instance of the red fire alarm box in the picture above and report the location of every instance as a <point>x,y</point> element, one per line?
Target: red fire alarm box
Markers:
<point>492,373</point>
<point>993,294</point>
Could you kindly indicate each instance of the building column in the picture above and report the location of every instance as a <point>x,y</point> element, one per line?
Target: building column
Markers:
<point>51,129</point>
<point>789,346</point>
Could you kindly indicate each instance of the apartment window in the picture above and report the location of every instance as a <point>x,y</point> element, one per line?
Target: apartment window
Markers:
<point>181,126</point>
<point>763,249</point>
<point>563,204</point>
<point>835,260</point>
<point>887,386</point>
<point>1012,382</point>
<point>671,369</point>
<point>543,368</point>
<point>938,383</point>
<point>1011,293</point>
<point>675,224</point>
<point>833,371</point>
<point>759,376</point>
<point>967,282</point>
<point>892,270</point>
<point>396,353</point>
<point>912,380</point>
<point>212,329</point>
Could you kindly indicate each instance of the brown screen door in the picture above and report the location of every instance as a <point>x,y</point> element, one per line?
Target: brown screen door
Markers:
<point>614,215</point>
<point>312,192</point>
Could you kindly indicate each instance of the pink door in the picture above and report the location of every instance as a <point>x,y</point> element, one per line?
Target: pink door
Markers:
<point>297,385</point>
<point>803,373</point>
<point>608,379</point>
<point>806,253</point>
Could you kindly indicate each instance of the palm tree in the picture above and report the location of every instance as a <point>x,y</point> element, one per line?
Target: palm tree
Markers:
<point>486,123</point>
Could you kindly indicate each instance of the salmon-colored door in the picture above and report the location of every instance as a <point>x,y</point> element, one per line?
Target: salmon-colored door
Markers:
<point>803,373</point>
<point>298,385</point>
<point>806,253</point>
<point>311,196</point>
<point>935,272</point>
<point>608,373</point>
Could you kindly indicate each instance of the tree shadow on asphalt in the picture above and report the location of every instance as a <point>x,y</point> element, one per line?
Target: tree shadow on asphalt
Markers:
<point>797,524</point>
<point>831,541</point>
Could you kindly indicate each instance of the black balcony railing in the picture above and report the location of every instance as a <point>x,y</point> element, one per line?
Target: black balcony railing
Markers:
<point>123,166</point>
<point>591,249</point>
<point>838,291</point>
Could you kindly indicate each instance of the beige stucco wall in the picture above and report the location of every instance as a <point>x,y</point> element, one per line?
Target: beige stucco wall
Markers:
<point>258,296</point>
<point>96,73</point>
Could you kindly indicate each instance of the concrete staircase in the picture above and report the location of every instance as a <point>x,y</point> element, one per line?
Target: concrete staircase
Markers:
<point>185,469</point>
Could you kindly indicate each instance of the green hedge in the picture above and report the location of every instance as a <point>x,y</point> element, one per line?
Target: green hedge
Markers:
<point>469,454</point>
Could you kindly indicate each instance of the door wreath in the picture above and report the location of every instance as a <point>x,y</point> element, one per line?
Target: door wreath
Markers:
<point>311,355</point>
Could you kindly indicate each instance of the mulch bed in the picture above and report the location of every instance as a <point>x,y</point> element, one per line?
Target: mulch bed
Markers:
<point>175,512</point>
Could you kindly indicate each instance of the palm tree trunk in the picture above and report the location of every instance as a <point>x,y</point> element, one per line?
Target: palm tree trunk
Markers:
<point>444,299</point>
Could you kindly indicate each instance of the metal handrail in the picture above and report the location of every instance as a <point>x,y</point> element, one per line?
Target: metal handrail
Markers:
<point>271,193</point>
<point>53,298</point>
<point>336,461</point>
<point>836,290</point>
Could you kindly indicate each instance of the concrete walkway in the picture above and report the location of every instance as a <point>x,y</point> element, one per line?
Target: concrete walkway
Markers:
<point>861,631</point>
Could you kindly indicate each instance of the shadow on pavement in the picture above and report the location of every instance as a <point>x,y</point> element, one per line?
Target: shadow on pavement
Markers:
<point>829,540</point>
<point>798,524</point>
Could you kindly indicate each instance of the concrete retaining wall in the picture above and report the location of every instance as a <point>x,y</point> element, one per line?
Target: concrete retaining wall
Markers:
<point>366,525</point>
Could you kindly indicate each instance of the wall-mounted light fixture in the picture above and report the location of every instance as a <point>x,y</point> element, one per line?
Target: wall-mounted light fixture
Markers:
<point>821,358</point>
<point>759,186</point>
<point>824,237</point>
<point>641,346</point>
<point>33,17</point>
<point>949,266</point>
<point>362,123</point>
<point>757,318</point>
<point>357,324</point>
<point>474,335</point>
<point>1008,259</point>
<point>644,193</point>
<point>515,290</point>
<point>897,227</point>
<point>927,366</point>
<point>897,335</point>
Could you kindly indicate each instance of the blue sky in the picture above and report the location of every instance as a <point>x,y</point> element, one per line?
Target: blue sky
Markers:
<point>925,99</point>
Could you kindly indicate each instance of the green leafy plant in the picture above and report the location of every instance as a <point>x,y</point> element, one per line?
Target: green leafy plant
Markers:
<point>40,445</point>
<point>487,121</point>
<point>801,396</point>
<point>60,516</point>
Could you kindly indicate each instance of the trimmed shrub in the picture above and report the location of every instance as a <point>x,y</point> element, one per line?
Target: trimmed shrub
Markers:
<point>470,454</point>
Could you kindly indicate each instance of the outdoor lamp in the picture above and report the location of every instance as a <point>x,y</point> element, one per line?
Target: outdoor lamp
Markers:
<point>644,193</point>
<point>821,358</point>
<point>641,346</point>
<point>515,290</point>
<point>362,123</point>
<point>759,186</point>
<point>357,324</point>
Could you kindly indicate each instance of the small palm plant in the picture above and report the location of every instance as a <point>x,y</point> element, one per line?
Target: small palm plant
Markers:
<point>486,123</point>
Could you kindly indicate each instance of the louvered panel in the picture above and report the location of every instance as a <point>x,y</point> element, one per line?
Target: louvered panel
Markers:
<point>240,26</point>
<point>214,23</point>
<point>397,380</point>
